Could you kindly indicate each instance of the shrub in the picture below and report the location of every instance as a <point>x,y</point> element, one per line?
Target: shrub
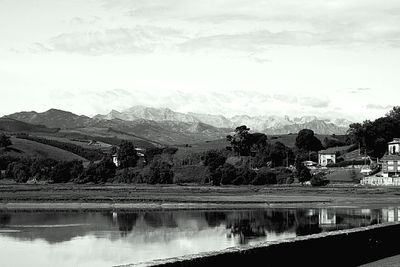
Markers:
<point>264,176</point>
<point>303,174</point>
<point>18,171</point>
<point>128,175</point>
<point>319,180</point>
<point>98,172</point>
<point>160,172</point>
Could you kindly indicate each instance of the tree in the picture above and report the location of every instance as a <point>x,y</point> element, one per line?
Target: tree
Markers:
<point>319,180</point>
<point>127,155</point>
<point>213,159</point>
<point>241,140</point>
<point>19,171</point>
<point>160,172</point>
<point>264,176</point>
<point>303,174</point>
<point>394,113</point>
<point>306,140</point>
<point>5,141</point>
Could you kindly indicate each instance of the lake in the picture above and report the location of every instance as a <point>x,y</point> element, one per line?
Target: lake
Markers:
<point>115,238</point>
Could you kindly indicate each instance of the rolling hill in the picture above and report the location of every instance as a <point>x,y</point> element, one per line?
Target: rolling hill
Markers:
<point>53,118</point>
<point>31,149</point>
<point>12,125</point>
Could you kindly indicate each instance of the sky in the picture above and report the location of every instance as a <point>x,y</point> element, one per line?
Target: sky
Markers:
<point>328,58</point>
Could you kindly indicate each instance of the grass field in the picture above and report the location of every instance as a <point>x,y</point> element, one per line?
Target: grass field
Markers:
<point>193,196</point>
<point>31,149</point>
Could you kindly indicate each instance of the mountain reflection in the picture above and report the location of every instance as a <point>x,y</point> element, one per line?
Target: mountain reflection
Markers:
<point>241,226</point>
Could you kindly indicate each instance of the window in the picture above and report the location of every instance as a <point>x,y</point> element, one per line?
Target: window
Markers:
<point>390,168</point>
<point>390,162</point>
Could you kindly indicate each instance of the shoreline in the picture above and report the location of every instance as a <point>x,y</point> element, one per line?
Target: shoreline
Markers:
<point>191,197</point>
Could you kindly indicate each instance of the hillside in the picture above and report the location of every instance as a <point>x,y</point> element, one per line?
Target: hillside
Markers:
<point>165,132</point>
<point>52,118</point>
<point>11,125</point>
<point>31,149</point>
<point>318,126</point>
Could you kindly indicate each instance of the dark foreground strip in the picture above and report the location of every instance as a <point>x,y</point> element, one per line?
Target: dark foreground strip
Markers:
<point>339,248</point>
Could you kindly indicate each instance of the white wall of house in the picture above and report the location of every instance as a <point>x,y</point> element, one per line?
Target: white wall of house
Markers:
<point>394,149</point>
<point>325,159</point>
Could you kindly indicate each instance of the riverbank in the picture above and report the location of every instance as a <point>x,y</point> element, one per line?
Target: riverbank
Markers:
<point>122,196</point>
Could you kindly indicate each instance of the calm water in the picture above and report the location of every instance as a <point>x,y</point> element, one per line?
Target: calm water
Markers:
<point>113,238</point>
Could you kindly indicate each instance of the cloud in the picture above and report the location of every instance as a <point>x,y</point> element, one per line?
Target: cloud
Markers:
<point>360,90</point>
<point>141,39</point>
<point>314,102</point>
<point>376,106</point>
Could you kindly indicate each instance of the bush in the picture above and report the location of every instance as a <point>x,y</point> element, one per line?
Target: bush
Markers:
<point>264,176</point>
<point>65,171</point>
<point>290,180</point>
<point>244,176</point>
<point>319,180</point>
<point>160,172</point>
<point>98,172</point>
<point>18,171</point>
<point>303,174</point>
<point>128,175</point>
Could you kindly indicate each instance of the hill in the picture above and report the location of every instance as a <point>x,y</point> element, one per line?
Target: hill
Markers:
<point>53,118</point>
<point>164,132</point>
<point>12,125</point>
<point>31,149</point>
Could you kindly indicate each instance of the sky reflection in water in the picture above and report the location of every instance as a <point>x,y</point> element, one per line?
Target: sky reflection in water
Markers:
<point>112,238</point>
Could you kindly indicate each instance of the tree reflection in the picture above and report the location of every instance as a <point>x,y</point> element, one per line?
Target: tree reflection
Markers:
<point>5,219</point>
<point>126,221</point>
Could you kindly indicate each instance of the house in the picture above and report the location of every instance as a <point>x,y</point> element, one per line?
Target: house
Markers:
<point>390,167</point>
<point>391,161</point>
<point>139,151</point>
<point>326,157</point>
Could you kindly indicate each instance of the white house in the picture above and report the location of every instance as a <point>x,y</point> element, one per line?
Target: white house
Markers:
<point>326,157</point>
<point>139,151</point>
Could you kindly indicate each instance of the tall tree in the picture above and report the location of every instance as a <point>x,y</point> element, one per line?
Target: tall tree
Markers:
<point>5,141</point>
<point>127,155</point>
<point>306,140</point>
<point>241,140</point>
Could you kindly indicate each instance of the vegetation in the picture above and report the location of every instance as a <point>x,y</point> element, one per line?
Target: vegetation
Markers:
<point>90,154</point>
<point>307,141</point>
<point>319,180</point>
<point>373,136</point>
<point>5,141</point>
<point>127,155</point>
<point>251,159</point>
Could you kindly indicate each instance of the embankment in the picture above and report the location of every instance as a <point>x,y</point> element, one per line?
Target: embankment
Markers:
<point>339,248</point>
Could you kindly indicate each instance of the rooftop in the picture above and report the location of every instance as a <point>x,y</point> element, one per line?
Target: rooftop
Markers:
<point>395,141</point>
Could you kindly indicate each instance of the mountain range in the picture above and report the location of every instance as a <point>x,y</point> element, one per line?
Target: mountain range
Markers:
<point>265,124</point>
<point>166,126</point>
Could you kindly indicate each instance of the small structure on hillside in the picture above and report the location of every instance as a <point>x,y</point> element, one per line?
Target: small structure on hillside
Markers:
<point>326,157</point>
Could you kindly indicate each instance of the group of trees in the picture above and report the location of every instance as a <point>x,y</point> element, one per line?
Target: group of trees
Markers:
<point>270,158</point>
<point>157,170</point>
<point>373,136</point>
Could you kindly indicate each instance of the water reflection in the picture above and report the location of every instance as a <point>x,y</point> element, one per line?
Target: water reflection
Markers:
<point>109,238</point>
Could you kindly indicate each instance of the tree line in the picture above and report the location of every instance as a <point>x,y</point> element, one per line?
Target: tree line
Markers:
<point>373,136</point>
